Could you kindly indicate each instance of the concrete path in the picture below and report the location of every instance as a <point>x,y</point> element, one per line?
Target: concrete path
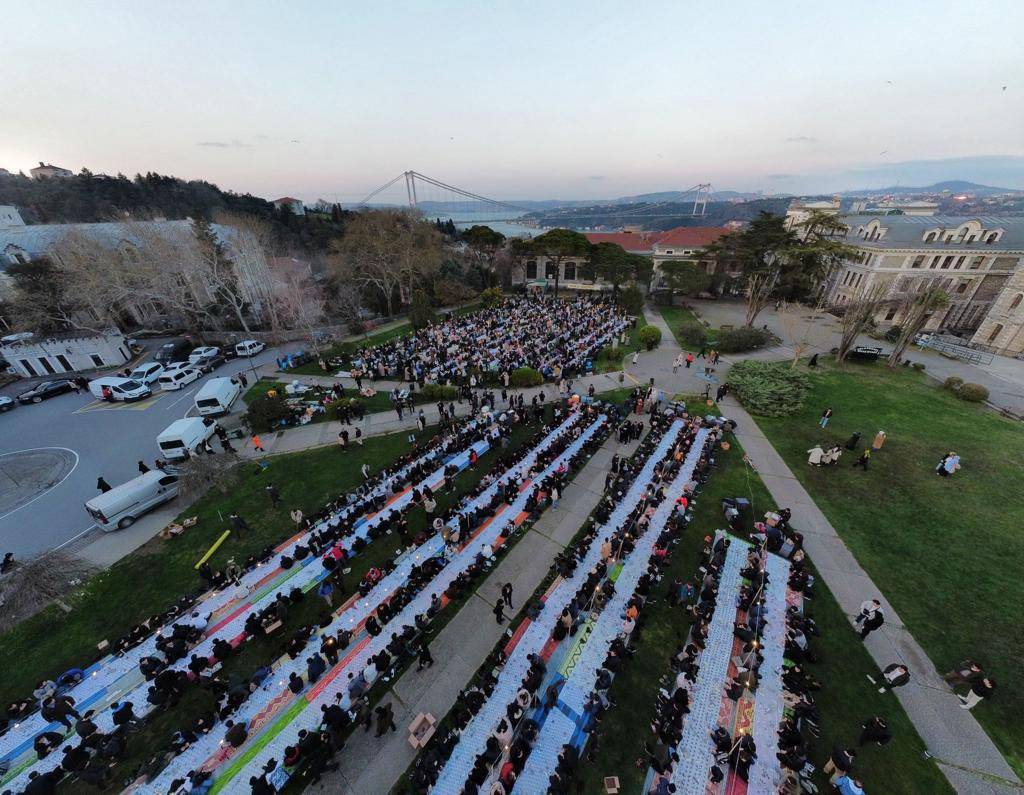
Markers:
<point>372,765</point>
<point>966,754</point>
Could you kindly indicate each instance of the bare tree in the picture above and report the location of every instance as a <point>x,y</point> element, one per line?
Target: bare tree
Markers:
<point>200,473</point>
<point>917,306</point>
<point>799,321</point>
<point>251,241</point>
<point>38,582</point>
<point>386,251</point>
<point>298,303</point>
<point>858,315</point>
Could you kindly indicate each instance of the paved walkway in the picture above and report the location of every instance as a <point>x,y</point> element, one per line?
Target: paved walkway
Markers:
<point>372,765</point>
<point>966,754</point>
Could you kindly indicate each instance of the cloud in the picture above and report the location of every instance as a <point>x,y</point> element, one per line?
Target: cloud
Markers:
<point>782,176</point>
<point>801,139</point>
<point>234,143</point>
<point>595,178</point>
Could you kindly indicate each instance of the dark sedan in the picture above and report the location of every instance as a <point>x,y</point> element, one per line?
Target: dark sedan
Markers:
<point>45,390</point>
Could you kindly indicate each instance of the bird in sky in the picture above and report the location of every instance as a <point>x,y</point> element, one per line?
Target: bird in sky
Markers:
<point>883,152</point>
<point>889,82</point>
<point>295,140</point>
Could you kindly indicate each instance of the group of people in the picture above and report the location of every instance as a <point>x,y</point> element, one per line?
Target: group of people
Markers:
<point>554,337</point>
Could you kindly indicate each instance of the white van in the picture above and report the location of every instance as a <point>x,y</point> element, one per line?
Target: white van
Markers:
<point>147,373</point>
<point>248,348</point>
<point>217,396</point>
<point>179,378</point>
<point>181,438</point>
<point>122,505</point>
<point>119,389</point>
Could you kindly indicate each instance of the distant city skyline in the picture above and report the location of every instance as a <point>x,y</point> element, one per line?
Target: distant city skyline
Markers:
<point>528,101</point>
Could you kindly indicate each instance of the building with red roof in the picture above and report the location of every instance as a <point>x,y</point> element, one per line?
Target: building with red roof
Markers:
<point>682,244</point>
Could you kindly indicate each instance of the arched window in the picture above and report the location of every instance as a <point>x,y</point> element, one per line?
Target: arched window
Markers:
<point>997,329</point>
<point>931,237</point>
<point>992,237</point>
<point>1016,300</point>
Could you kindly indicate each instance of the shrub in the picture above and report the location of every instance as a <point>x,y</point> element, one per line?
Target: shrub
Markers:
<point>738,340</point>
<point>973,393</point>
<point>893,334</point>
<point>434,392</point>
<point>265,413</point>
<point>491,297</point>
<point>919,366</point>
<point>693,334</point>
<point>650,336</point>
<point>526,376</point>
<point>953,383</point>
<point>771,389</point>
<point>613,354</point>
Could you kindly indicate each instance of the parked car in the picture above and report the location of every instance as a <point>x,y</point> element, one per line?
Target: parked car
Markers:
<point>201,353</point>
<point>173,367</point>
<point>45,390</point>
<point>6,403</point>
<point>171,351</point>
<point>210,362</point>
<point>249,347</point>
<point>178,379</point>
<point>147,373</point>
<point>122,505</point>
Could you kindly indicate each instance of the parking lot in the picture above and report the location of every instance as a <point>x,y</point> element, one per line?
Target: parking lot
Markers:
<point>42,508</point>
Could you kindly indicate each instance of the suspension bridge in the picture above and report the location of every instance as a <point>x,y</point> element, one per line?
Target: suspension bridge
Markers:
<point>435,198</point>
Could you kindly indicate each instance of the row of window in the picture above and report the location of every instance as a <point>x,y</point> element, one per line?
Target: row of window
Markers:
<point>947,262</point>
<point>550,270</point>
<point>962,237</point>
<point>43,365</point>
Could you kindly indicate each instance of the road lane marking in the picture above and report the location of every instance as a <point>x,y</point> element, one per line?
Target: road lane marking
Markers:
<point>55,485</point>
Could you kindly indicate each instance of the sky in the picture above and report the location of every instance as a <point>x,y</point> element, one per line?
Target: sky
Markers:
<point>518,99</point>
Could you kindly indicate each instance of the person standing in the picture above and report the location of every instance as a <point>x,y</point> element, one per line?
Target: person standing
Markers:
<point>102,485</point>
<point>143,469</point>
<point>966,673</point>
<point>425,658</point>
<point>274,494</point>
<point>499,611</point>
<point>506,593</point>
<point>826,415</point>
<point>297,517</point>
<point>676,362</point>
<point>851,443</point>
<point>257,444</point>
<point>862,460</point>
<point>871,618</point>
<point>238,523</point>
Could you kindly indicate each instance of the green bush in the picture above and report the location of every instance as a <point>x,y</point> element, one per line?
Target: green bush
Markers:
<point>953,383</point>
<point>421,313</point>
<point>526,376</point>
<point>739,340</point>
<point>612,354</point>
<point>973,393</point>
<point>693,334</point>
<point>919,366</point>
<point>771,389</point>
<point>491,297</point>
<point>650,336</point>
<point>434,392</point>
<point>265,413</point>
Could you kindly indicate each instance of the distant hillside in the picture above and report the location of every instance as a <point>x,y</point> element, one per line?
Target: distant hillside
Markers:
<point>950,186</point>
<point>658,216</point>
<point>86,198</point>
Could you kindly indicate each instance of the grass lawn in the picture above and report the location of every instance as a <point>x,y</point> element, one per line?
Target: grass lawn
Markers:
<point>675,316</point>
<point>157,574</point>
<point>945,551</point>
<point>845,700</point>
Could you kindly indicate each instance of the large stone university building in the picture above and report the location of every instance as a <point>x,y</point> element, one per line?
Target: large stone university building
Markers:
<point>979,262</point>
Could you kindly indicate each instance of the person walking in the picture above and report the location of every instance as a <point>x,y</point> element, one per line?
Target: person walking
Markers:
<point>385,720</point>
<point>826,415</point>
<point>102,485</point>
<point>862,460</point>
<point>425,659</point>
<point>851,443</point>
<point>966,673</point>
<point>689,360</point>
<point>506,593</point>
<point>870,618</point>
<point>143,469</point>
<point>274,494</point>
<point>499,611</point>
<point>676,362</point>
<point>636,356</point>
<point>257,445</point>
<point>326,592</point>
<point>979,692</point>
<point>895,675</point>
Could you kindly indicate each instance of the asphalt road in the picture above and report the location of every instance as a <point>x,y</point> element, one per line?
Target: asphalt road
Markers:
<point>101,440</point>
